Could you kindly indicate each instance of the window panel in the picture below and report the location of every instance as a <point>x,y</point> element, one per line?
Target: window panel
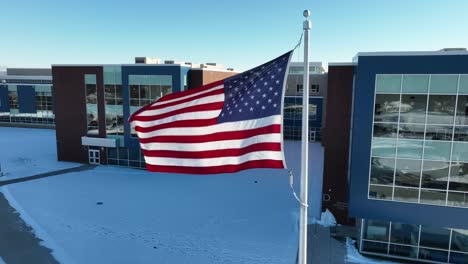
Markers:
<point>413,108</point>
<point>458,258</point>
<point>388,83</point>
<point>439,132</point>
<point>433,197</point>
<point>460,240</point>
<point>461,133</point>
<point>386,107</point>
<point>415,83</point>
<point>411,131</point>
<point>460,151</point>
<point>385,130</point>
<point>435,237</point>
<point>434,255</point>
<point>380,192</point>
<point>383,147</point>
<point>404,234</point>
<point>382,170</point>
<point>435,175</point>
<point>376,230</point>
<point>410,148</point>
<point>444,83</point>
<point>437,150</point>
<point>459,177</point>
<point>463,89</point>
<point>404,251</point>
<point>408,172</point>
<point>441,109</point>
<point>374,247</point>
<point>458,199</point>
<point>406,194</point>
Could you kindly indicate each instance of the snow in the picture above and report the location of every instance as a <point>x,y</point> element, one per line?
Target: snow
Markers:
<point>326,220</point>
<point>26,151</point>
<point>246,217</point>
<point>1,261</point>
<point>353,255</point>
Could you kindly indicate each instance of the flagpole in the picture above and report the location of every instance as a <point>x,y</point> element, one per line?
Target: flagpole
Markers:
<point>305,145</point>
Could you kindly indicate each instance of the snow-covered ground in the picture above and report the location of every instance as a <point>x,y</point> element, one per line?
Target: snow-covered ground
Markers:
<point>26,151</point>
<point>1,261</point>
<point>120,215</point>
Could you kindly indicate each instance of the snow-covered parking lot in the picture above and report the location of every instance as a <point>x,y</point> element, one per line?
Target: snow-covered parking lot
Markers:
<point>121,215</point>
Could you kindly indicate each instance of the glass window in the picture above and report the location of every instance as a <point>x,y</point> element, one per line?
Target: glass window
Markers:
<point>463,84</point>
<point>413,108</point>
<point>458,258</point>
<point>380,192</point>
<point>434,255</point>
<point>404,251</point>
<point>386,107</point>
<point>415,83</point>
<point>433,197</point>
<point>383,147</point>
<point>410,148</point>
<point>411,131</point>
<point>460,151</point>
<point>441,109</point>
<point>91,104</point>
<point>385,130</point>
<point>439,132</point>
<point>314,88</point>
<point>375,247</point>
<point>376,230</point>
<point>388,83</point>
<point>382,171</point>
<point>444,83</point>
<point>406,194</point>
<point>458,199</point>
<point>462,110</point>
<point>435,175</point>
<point>437,150</point>
<point>459,177</point>
<point>460,240</point>
<point>408,172</point>
<point>461,133</point>
<point>435,237</point>
<point>405,234</point>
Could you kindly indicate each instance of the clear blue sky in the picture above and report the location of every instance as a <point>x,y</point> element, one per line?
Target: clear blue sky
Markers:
<point>238,33</point>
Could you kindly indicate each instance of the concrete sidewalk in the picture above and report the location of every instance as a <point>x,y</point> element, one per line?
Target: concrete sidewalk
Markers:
<point>18,243</point>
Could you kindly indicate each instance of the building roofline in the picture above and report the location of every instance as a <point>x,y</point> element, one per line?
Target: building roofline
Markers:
<point>26,77</point>
<point>411,53</point>
<point>342,64</point>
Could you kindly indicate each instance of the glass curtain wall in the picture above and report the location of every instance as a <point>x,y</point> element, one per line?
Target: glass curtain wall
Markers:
<point>91,105</point>
<point>414,242</point>
<point>113,102</point>
<point>292,119</point>
<point>420,139</point>
<point>146,89</point>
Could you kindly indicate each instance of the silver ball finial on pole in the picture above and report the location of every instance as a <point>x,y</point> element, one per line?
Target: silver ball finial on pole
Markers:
<point>306,13</point>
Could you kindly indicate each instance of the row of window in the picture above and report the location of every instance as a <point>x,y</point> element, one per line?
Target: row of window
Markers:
<point>414,242</point>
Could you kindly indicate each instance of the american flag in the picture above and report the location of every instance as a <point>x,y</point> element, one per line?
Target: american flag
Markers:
<point>223,127</point>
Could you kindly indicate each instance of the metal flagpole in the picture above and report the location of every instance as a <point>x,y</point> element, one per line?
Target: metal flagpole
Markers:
<point>305,145</point>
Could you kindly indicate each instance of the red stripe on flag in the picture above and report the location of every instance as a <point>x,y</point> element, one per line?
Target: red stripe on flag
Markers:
<point>275,164</point>
<point>189,92</point>
<point>177,124</point>
<point>195,108</point>
<point>230,135</point>
<point>213,153</point>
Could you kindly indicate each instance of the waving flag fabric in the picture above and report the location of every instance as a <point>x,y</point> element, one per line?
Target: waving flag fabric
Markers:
<point>223,127</point>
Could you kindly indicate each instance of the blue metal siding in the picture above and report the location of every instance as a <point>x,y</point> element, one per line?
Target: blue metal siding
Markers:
<point>177,85</point>
<point>4,100</point>
<point>26,99</point>
<point>359,204</point>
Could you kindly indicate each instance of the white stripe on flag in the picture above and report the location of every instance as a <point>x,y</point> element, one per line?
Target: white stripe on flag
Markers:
<point>179,117</point>
<point>223,127</point>
<point>200,101</point>
<point>257,155</point>
<point>214,145</point>
<point>189,96</point>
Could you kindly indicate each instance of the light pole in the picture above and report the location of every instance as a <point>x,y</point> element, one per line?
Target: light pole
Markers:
<point>1,172</point>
